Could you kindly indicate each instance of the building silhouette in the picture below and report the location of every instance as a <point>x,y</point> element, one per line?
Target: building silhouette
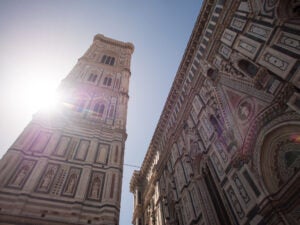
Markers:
<point>66,166</point>
<point>226,150</point>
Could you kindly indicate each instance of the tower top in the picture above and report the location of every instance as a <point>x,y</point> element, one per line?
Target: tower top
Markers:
<point>108,40</point>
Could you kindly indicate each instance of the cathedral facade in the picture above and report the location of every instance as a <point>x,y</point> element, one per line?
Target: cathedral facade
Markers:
<point>66,166</point>
<point>226,150</point>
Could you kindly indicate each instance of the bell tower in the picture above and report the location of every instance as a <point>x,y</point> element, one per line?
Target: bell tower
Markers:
<point>66,166</point>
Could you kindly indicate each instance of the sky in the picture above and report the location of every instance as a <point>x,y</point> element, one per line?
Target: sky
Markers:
<point>41,41</point>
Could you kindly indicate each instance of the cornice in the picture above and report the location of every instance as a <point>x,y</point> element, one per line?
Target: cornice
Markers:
<point>108,40</point>
<point>177,83</point>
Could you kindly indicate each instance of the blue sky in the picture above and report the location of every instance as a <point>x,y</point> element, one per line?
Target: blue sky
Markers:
<point>40,42</point>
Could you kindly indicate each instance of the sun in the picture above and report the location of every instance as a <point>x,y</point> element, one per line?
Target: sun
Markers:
<point>38,94</point>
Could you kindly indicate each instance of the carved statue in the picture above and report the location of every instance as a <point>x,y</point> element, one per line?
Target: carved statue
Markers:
<point>21,176</point>
<point>95,188</point>
<point>47,179</point>
<point>71,184</point>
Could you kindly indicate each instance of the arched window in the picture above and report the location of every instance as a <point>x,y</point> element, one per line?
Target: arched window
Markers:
<point>109,60</point>
<point>107,81</point>
<point>247,67</point>
<point>92,77</point>
<point>99,109</point>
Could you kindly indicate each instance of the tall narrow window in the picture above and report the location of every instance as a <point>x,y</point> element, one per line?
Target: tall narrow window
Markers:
<point>112,187</point>
<point>92,77</point>
<point>116,154</point>
<point>99,109</point>
<point>111,111</point>
<point>103,59</point>
<point>107,81</point>
<point>109,60</point>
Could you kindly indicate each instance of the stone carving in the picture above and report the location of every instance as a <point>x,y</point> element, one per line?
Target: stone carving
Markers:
<point>22,173</point>
<point>48,177</point>
<point>71,183</point>
<point>21,176</point>
<point>95,187</point>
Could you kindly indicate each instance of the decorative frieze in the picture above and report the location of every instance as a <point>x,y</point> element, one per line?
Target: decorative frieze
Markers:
<point>247,46</point>
<point>277,62</point>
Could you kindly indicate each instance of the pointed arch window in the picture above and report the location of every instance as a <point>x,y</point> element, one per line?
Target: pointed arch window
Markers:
<point>99,109</point>
<point>107,81</point>
<point>92,77</point>
<point>109,60</point>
